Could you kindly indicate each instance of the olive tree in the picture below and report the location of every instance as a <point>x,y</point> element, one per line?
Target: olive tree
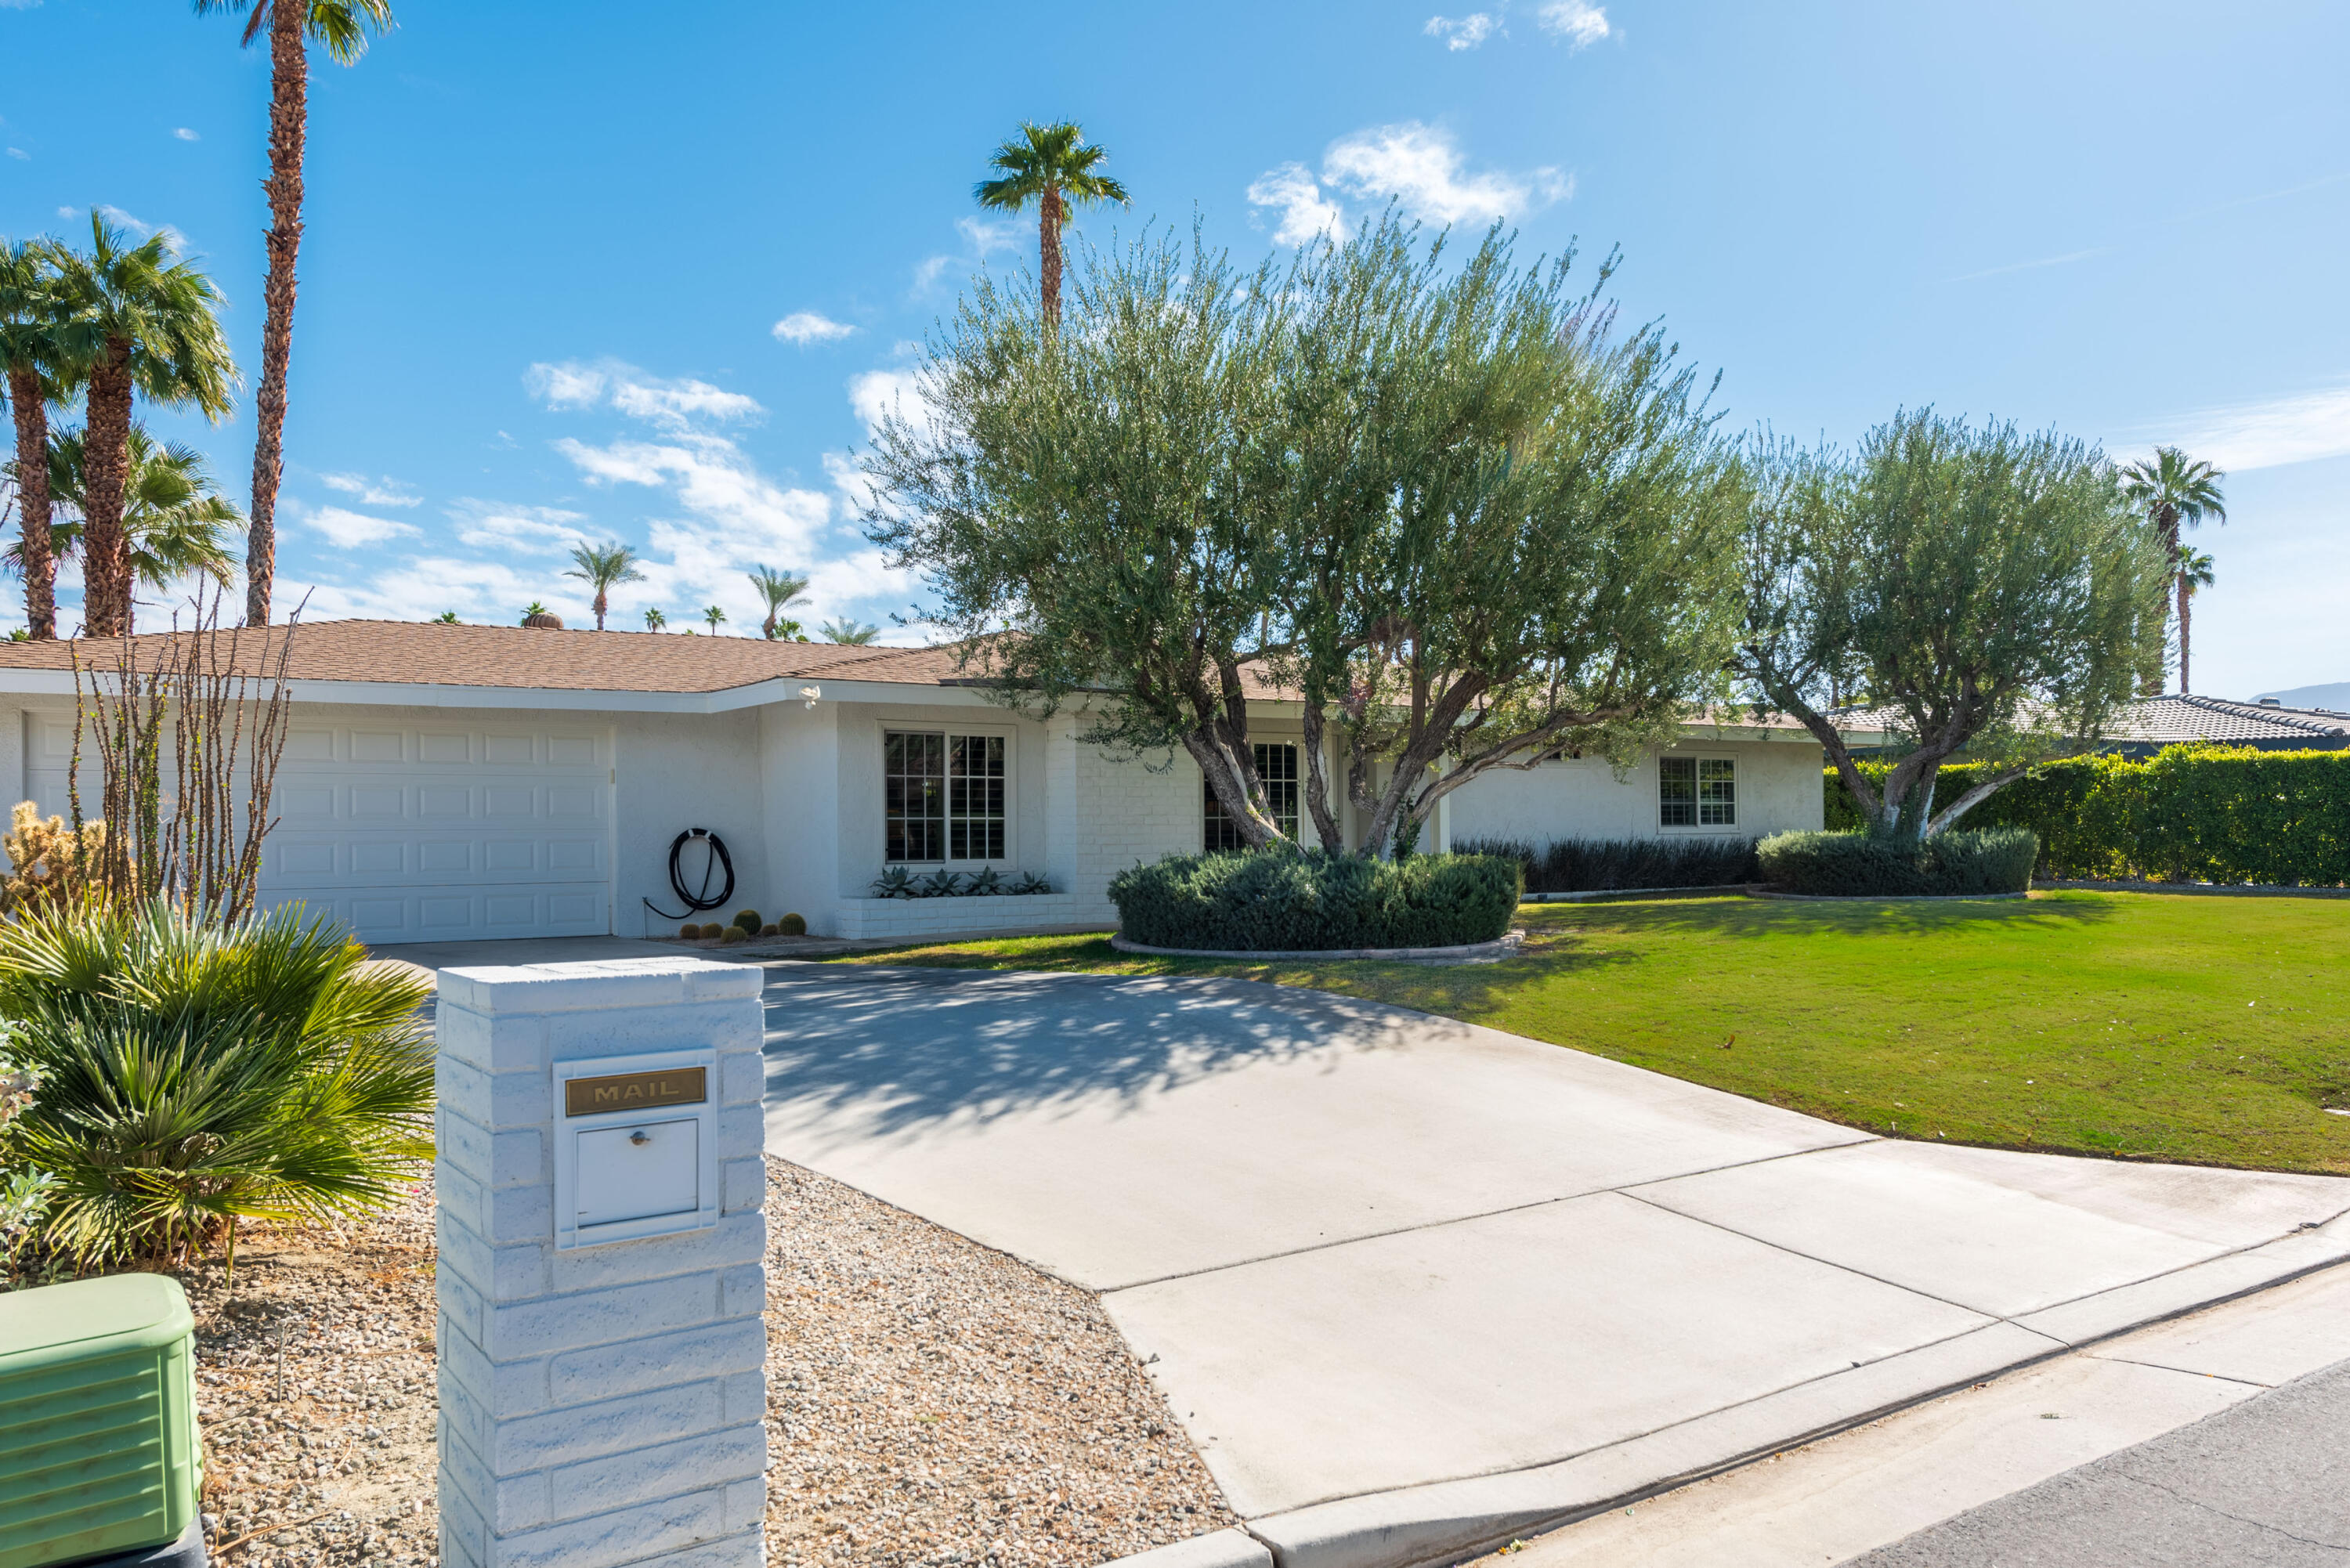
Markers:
<point>1548,558</point>
<point>1980,587</point>
<point>1084,502</point>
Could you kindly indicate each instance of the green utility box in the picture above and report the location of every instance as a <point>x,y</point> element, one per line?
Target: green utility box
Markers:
<point>98,1453</point>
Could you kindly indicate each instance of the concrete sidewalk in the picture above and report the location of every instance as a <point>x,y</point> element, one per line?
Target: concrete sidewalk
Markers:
<point>1415,1287</point>
<point>2213,1439</point>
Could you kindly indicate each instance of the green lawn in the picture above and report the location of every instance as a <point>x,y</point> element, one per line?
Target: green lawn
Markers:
<point>2210,1030</point>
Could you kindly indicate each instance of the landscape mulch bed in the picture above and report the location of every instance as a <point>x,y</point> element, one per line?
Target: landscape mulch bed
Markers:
<point>929,1401</point>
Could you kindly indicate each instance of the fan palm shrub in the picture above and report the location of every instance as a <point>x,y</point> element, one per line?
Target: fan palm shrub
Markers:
<point>194,1073</point>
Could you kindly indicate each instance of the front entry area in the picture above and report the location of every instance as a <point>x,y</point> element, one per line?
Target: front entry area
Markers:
<point>446,831</point>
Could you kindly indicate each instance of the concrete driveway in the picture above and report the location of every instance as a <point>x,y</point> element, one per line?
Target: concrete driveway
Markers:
<point>1415,1286</point>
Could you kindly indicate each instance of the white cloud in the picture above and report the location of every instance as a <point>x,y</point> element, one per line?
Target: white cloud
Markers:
<point>986,237</point>
<point>424,586</point>
<point>383,492</point>
<point>1579,22</point>
<point>1306,212</point>
<point>877,393</point>
<point>672,404</point>
<point>807,327</point>
<point>1462,32</point>
<point>927,271</point>
<point>184,134</point>
<point>1422,168</point>
<point>2299,428</point>
<point>505,527</point>
<point>351,530</point>
<point>139,226</point>
<point>20,154</point>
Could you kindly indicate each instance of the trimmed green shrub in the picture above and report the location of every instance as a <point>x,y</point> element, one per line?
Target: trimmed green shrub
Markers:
<point>1286,899</point>
<point>192,1074</point>
<point>747,920</point>
<point>793,925</point>
<point>1594,864</point>
<point>2212,814</point>
<point>1868,866</point>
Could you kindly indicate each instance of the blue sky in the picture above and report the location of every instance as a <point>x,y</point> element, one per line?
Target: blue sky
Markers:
<point>549,249</point>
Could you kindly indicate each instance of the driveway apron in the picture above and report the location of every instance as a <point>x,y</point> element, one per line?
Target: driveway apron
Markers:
<point>1413,1284</point>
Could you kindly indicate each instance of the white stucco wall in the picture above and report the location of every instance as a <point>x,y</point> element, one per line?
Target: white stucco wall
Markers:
<point>1778,790</point>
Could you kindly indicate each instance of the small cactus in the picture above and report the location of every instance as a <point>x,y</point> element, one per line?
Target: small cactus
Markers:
<point>748,920</point>
<point>734,934</point>
<point>690,933</point>
<point>768,929</point>
<point>793,925</point>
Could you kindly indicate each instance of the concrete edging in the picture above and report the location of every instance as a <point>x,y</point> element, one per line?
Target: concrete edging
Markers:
<point>1468,952</point>
<point>1589,893</point>
<point>2193,890</point>
<point>1881,898</point>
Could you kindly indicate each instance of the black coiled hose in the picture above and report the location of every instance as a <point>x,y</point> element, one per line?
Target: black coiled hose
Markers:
<point>697,900</point>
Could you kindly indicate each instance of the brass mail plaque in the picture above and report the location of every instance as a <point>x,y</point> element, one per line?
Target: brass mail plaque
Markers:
<point>635,1091</point>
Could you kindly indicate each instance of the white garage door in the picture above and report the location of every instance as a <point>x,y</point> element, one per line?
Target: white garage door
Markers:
<point>435,832</point>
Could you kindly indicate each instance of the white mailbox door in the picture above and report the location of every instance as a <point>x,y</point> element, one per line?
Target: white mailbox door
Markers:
<point>637,1172</point>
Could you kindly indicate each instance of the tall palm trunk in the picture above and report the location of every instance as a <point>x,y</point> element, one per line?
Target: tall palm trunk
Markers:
<point>599,609</point>
<point>2166,518</point>
<point>1048,251</point>
<point>2186,596</point>
<point>33,501</point>
<point>289,122</point>
<point>106,465</point>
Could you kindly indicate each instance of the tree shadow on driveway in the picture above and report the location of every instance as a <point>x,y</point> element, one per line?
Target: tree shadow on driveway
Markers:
<point>903,1048</point>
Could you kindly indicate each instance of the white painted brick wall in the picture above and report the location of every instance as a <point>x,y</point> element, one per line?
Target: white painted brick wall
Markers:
<point>602,1406</point>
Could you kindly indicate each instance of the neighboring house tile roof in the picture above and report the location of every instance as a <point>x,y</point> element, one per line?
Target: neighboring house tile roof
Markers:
<point>2169,720</point>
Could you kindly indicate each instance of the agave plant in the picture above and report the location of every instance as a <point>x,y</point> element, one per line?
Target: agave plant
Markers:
<point>984,883</point>
<point>1031,883</point>
<point>193,1074</point>
<point>939,885</point>
<point>895,883</point>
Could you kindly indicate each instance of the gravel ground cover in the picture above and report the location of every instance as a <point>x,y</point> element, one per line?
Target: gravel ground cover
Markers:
<point>315,1393</point>
<point>930,1402</point>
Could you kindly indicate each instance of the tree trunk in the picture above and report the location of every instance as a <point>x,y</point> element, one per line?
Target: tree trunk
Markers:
<point>106,460</point>
<point>288,119</point>
<point>33,501</point>
<point>599,609</point>
<point>2166,518</point>
<point>2185,594</point>
<point>1048,251</point>
<point>1318,784</point>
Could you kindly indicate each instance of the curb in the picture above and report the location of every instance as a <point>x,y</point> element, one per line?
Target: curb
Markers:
<point>1223,1549</point>
<point>1468,952</point>
<point>2197,889</point>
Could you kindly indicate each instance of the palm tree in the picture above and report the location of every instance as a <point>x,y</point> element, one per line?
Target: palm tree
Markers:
<point>2175,490</point>
<point>2194,574</point>
<point>714,615</point>
<point>175,521</point>
<point>137,318</point>
<point>604,566</point>
<point>343,27</point>
<point>29,361</point>
<point>850,631</point>
<point>781,590</point>
<point>1052,166</point>
<point>655,621</point>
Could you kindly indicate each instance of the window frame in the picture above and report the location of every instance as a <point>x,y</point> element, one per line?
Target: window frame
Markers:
<point>1697,801</point>
<point>1296,783</point>
<point>948,731</point>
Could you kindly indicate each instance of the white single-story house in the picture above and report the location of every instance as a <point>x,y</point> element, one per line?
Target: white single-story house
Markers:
<point>446,782</point>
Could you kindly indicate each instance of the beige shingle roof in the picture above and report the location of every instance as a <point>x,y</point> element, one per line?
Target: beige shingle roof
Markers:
<point>2171,719</point>
<point>428,653</point>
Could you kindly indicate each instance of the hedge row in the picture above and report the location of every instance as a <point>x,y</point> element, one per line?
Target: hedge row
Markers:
<point>2188,813</point>
<point>1276,900</point>
<point>1858,864</point>
<point>1601,865</point>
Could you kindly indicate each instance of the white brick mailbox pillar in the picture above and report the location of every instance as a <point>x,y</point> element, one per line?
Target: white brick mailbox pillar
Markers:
<point>602,1341</point>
